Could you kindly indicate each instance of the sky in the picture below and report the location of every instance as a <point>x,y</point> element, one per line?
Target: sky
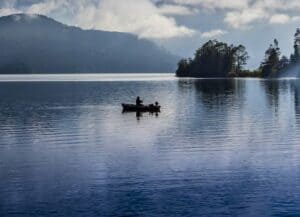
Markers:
<point>181,26</point>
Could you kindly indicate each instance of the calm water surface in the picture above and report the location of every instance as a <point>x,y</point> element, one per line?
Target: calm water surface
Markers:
<point>219,147</point>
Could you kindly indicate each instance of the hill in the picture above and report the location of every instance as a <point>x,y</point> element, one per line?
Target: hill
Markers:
<point>38,44</point>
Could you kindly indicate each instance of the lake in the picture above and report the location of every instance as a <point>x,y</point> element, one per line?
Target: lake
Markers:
<point>218,147</point>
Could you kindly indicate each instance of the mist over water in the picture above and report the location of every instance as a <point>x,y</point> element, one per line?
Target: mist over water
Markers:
<point>219,147</point>
<point>86,77</point>
<point>292,72</point>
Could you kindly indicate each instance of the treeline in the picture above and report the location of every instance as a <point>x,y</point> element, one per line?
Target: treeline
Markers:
<point>218,59</point>
<point>274,63</point>
<point>214,59</point>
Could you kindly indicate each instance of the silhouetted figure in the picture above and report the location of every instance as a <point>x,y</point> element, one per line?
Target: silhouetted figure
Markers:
<point>154,105</point>
<point>138,101</point>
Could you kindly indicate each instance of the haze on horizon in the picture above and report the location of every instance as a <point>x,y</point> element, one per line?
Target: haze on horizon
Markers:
<point>180,26</point>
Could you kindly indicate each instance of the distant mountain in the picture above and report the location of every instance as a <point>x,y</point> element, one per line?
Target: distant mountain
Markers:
<point>38,44</point>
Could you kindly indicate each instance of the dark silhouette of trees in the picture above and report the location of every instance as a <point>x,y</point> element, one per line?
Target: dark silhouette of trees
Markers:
<point>295,57</point>
<point>274,65</point>
<point>286,66</point>
<point>240,56</point>
<point>214,59</point>
<point>284,63</point>
<point>218,59</point>
<point>271,65</point>
<point>183,68</point>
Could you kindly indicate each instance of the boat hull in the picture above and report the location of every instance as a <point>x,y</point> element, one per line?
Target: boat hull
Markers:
<point>140,108</point>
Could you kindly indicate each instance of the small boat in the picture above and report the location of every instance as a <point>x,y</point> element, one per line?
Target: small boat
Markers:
<point>140,108</point>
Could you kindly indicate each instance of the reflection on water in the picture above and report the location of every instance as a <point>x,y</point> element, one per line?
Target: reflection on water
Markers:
<point>218,147</point>
<point>139,114</point>
<point>296,93</point>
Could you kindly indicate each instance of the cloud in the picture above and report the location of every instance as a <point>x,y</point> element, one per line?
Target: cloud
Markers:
<point>141,17</point>
<point>213,33</point>
<point>242,19</point>
<point>8,7</point>
<point>213,4</point>
<point>283,19</point>
<point>45,7</point>
<point>260,11</point>
<point>157,19</point>
<point>176,10</point>
<point>280,19</point>
<point>277,5</point>
<point>243,14</point>
<point>8,11</point>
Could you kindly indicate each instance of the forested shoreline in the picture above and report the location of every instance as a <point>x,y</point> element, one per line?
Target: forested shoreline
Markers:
<point>219,59</point>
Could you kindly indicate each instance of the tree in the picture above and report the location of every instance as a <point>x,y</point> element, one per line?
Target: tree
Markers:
<point>241,56</point>
<point>214,59</point>
<point>270,66</point>
<point>296,57</point>
<point>284,63</point>
<point>183,68</point>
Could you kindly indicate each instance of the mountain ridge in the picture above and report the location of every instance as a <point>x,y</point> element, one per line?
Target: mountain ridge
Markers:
<point>39,44</point>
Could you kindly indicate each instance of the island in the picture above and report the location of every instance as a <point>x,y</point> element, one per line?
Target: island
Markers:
<point>216,59</point>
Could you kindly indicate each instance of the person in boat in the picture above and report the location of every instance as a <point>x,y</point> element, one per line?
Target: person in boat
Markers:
<point>154,105</point>
<point>138,101</point>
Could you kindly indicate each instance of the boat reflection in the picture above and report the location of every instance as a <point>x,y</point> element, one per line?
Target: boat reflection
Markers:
<point>140,114</point>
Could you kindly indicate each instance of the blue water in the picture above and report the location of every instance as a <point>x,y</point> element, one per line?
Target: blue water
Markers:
<point>219,147</point>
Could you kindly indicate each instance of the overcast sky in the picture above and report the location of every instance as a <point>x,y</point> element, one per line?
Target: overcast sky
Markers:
<point>179,25</point>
